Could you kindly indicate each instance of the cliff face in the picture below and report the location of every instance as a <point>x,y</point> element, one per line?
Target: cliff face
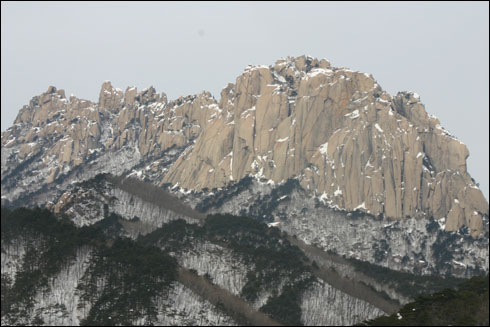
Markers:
<point>343,137</point>
<point>335,130</point>
<point>56,141</point>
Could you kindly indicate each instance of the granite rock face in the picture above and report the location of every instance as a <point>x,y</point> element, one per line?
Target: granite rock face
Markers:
<point>55,141</point>
<point>343,137</point>
<point>337,131</point>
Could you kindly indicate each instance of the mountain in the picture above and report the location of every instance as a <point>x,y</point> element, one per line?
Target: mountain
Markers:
<point>304,184</point>
<point>335,130</point>
<point>350,146</point>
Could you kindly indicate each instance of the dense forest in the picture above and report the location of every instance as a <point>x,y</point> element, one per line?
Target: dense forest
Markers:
<point>409,285</point>
<point>465,306</point>
<point>133,273</point>
<point>272,259</point>
<point>124,276</point>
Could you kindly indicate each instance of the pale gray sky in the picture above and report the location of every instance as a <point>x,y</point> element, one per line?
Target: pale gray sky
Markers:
<point>439,50</point>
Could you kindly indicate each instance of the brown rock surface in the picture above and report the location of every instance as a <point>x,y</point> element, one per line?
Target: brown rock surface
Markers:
<point>336,130</point>
<point>343,137</point>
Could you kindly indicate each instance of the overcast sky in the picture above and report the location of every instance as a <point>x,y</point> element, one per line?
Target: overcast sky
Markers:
<point>439,50</point>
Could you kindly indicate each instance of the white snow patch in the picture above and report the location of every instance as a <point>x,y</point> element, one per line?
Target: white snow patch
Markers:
<point>318,71</point>
<point>383,101</point>
<point>137,173</point>
<point>378,128</point>
<point>247,112</point>
<point>442,223</point>
<point>361,206</point>
<point>368,164</point>
<point>360,100</point>
<point>459,263</point>
<point>324,148</point>
<point>231,165</point>
<point>283,140</point>
<point>254,67</point>
<point>10,141</point>
<point>337,192</point>
<point>353,115</point>
<point>279,78</point>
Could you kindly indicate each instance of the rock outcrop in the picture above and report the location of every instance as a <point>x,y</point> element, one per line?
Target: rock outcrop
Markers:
<point>337,131</point>
<point>343,137</point>
<point>54,139</point>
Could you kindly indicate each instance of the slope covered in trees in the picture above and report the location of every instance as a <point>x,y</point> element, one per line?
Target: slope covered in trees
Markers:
<point>120,282</point>
<point>116,280</point>
<point>466,306</point>
<point>271,260</point>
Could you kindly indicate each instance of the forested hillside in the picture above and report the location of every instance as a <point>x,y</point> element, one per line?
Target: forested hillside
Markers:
<point>466,306</point>
<point>232,269</point>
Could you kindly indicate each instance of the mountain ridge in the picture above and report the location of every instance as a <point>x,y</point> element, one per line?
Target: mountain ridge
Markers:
<point>331,128</point>
<point>322,153</point>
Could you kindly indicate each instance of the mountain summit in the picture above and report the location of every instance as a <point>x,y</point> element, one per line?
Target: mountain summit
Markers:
<point>306,195</point>
<point>346,140</point>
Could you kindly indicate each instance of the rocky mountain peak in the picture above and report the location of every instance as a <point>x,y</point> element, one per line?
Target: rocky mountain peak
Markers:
<point>348,142</point>
<point>110,97</point>
<point>342,136</point>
